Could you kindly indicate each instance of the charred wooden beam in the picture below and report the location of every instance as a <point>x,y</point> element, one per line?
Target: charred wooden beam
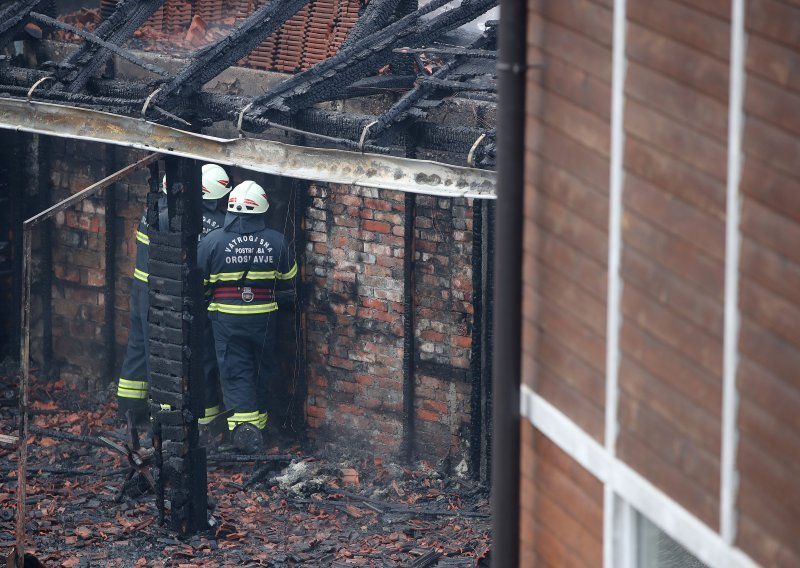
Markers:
<point>364,57</point>
<point>83,64</point>
<point>460,51</point>
<point>92,38</point>
<point>14,17</point>
<point>176,381</point>
<point>215,58</point>
<point>377,15</point>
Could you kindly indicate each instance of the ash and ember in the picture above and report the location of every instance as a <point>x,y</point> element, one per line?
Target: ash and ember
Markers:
<point>307,511</point>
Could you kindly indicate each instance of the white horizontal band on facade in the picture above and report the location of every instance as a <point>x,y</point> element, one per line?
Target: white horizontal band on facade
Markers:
<point>666,513</point>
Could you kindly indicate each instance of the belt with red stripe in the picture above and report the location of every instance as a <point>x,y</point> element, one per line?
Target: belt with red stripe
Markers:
<point>230,292</point>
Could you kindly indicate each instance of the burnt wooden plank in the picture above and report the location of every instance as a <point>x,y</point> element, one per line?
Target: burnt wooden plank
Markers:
<point>669,479</point>
<point>676,254</point>
<point>675,216</point>
<point>572,403</point>
<point>778,63</point>
<point>692,419</point>
<point>773,19</point>
<point>695,110</point>
<point>702,309</point>
<point>771,230</point>
<point>586,18</point>
<point>669,366</point>
<point>683,23</point>
<point>706,74</point>
<point>773,146</point>
<point>671,174</point>
<point>664,439</point>
<point>570,46</point>
<point>701,152</point>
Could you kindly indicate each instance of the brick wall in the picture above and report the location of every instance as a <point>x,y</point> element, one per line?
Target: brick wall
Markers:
<point>353,274</point>
<point>769,444</point>
<point>355,278</point>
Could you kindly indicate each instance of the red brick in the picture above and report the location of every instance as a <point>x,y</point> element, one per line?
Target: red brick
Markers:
<point>376,226</point>
<point>428,416</point>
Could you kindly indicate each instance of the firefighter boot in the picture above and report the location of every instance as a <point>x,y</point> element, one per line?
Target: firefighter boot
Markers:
<point>247,439</point>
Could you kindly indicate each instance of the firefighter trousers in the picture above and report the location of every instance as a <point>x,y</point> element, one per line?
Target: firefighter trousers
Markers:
<point>211,375</point>
<point>134,377</point>
<point>245,346</point>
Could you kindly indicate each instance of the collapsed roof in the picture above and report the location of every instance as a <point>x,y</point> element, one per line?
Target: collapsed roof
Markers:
<point>391,46</point>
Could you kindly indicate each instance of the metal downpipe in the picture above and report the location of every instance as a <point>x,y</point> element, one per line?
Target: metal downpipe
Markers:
<point>511,68</point>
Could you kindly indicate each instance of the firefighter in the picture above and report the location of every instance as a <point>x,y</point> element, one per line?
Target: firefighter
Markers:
<point>134,378</point>
<point>216,186</point>
<point>242,264</point>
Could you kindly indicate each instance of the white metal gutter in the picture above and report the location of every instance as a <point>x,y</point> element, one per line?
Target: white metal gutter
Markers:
<point>277,158</point>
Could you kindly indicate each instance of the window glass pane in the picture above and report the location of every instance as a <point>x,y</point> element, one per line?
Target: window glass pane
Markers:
<point>657,550</point>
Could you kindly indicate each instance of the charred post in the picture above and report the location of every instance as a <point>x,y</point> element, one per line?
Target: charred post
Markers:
<point>44,281</point>
<point>176,298</point>
<point>110,288</point>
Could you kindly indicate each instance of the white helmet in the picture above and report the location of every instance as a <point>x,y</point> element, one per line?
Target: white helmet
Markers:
<point>248,197</point>
<point>215,182</point>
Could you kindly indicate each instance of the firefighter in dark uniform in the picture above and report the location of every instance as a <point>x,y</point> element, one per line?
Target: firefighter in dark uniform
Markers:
<point>134,378</point>
<point>242,264</point>
<point>216,186</point>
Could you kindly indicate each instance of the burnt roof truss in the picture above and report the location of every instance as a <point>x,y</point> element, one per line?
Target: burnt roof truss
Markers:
<point>386,52</point>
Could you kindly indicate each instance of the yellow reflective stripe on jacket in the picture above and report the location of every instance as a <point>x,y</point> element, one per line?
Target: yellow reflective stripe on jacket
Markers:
<point>132,389</point>
<point>240,309</point>
<point>140,275</point>
<point>243,418</point>
<point>288,275</point>
<point>142,238</point>
<point>262,420</point>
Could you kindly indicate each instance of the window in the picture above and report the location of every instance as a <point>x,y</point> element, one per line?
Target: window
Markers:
<point>657,550</point>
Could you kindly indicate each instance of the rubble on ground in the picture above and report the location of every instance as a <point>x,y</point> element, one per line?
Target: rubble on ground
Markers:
<point>312,511</point>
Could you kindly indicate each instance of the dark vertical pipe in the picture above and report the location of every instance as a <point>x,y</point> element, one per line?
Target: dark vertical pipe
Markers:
<point>45,280</point>
<point>409,355</point>
<point>110,289</point>
<point>508,270</point>
<point>488,338</point>
<point>476,355</point>
<point>299,203</point>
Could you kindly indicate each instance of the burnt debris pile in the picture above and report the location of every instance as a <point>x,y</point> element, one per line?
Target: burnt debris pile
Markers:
<point>339,49</point>
<point>276,509</point>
